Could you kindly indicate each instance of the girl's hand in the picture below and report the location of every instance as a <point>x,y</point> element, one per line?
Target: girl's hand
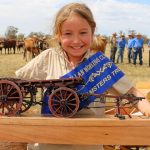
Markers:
<point>144,107</point>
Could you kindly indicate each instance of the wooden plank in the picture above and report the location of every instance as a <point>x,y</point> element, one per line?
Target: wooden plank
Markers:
<point>143,85</point>
<point>106,131</point>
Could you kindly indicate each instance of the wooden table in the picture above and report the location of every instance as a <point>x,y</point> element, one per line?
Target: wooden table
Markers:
<point>106,131</point>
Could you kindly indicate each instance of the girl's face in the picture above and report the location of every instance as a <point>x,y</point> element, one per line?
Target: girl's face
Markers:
<point>76,36</point>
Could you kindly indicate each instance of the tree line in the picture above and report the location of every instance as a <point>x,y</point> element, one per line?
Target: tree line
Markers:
<point>12,33</point>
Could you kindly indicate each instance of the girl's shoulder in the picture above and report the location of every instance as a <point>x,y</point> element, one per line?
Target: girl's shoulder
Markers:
<point>51,51</point>
<point>48,51</point>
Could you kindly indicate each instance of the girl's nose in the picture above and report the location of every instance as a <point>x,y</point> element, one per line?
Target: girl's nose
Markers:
<point>76,39</point>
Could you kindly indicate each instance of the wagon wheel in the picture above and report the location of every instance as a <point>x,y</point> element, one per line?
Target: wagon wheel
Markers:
<point>10,98</point>
<point>26,102</point>
<point>63,102</point>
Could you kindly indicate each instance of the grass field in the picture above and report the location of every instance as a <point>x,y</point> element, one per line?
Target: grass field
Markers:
<point>9,63</point>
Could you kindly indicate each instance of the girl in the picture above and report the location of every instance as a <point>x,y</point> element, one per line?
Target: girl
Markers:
<point>74,30</point>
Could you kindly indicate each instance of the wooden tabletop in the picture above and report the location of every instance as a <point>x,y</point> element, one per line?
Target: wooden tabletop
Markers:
<point>106,131</point>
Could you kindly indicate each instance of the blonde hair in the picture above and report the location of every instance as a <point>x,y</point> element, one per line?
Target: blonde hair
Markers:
<point>99,44</point>
<point>65,12</point>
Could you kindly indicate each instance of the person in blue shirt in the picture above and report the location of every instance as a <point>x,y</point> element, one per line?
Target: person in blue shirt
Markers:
<point>121,46</point>
<point>148,44</point>
<point>129,46</point>
<point>137,48</point>
<point>149,50</point>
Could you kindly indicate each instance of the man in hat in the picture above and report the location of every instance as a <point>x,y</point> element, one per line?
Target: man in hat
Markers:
<point>129,46</point>
<point>137,48</point>
<point>121,46</point>
<point>113,47</point>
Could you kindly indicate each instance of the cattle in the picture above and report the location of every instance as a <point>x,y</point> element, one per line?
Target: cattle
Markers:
<point>20,45</point>
<point>1,46</point>
<point>9,44</point>
<point>31,48</point>
<point>43,44</point>
<point>99,44</point>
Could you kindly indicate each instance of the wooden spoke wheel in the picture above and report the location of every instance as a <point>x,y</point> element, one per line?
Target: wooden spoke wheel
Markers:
<point>26,102</point>
<point>63,102</point>
<point>10,98</point>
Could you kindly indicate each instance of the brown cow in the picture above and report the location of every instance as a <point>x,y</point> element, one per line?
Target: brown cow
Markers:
<point>31,48</point>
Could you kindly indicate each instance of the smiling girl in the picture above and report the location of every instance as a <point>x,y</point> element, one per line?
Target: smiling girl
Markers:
<point>74,30</point>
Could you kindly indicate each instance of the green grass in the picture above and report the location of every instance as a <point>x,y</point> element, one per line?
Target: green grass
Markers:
<point>9,63</point>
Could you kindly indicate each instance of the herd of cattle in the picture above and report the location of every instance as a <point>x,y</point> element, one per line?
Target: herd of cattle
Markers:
<point>33,45</point>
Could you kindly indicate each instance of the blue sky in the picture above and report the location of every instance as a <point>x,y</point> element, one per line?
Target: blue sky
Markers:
<point>110,15</point>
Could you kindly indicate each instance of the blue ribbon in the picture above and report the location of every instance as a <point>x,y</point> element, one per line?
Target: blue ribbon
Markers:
<point>99,74</point>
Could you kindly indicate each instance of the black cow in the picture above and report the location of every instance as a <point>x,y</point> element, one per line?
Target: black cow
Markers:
<point>1,46</point>
<point>43,44</point>
<point>9,44</point>
<point>20,45</point>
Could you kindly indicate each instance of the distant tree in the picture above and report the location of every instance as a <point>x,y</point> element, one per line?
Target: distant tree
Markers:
<point>11,32</point>
<point>20,36</point>
<point>38,34</point>
<point>145,39</point>
<point>48,36</point>
<point>120,32</point>
<point>41,35</point>
<point>33,34</point>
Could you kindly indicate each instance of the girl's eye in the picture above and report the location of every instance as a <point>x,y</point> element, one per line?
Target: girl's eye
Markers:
<point>84,32</point>
<point>67,33</point>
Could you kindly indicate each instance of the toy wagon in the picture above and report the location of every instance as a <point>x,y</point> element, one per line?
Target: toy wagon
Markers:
<point>17,96</point>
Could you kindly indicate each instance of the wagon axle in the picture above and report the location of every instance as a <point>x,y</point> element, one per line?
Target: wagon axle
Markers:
<point>3,98</point>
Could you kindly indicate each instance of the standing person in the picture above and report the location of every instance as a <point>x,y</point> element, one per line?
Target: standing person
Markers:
<point>148,44</point>
<point>138,48</point>
<point>74,30</point>
<point>121,47</point>
<point>129,47</point>
<point>113,47</point>
<point>149,51</point>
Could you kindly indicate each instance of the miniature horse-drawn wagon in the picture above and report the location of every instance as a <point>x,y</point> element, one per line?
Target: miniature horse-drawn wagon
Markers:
<point>17,96</point>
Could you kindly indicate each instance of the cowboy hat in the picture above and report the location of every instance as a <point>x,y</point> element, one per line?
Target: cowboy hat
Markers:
<point>122,35</point>
<point>130,34</point>
<point>138,33</point>
<point>114,33</point>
